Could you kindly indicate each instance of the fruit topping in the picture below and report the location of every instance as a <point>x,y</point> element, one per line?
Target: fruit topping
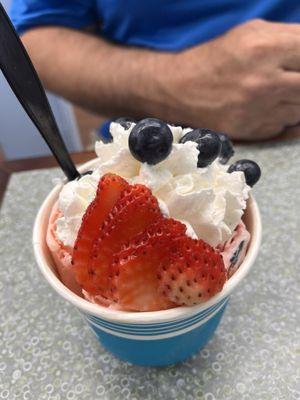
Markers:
<point>227,150</point>
<point>136,283</point>
<point>209,145</point>
<point>128,253</point>
<point>136,209</point>
<point>150,141</point>
<point>109,191</point>
<point>194,273</point>
<point>251,170</point>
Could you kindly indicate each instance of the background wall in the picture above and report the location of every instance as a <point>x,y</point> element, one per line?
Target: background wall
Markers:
<point>18,137</point>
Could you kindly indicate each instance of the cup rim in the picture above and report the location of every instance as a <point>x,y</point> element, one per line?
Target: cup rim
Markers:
<point>136,317</point>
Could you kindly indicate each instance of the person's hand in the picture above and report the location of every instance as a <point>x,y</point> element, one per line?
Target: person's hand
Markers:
<point>246,82</point>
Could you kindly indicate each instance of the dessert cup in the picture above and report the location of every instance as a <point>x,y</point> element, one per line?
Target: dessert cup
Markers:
<point>156,338</point>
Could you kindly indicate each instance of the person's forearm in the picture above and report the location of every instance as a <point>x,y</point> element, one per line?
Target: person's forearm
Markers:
<point>245,82</point>
<point>95,74</point>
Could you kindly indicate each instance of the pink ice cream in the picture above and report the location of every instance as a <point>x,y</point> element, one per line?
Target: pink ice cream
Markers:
<point>233,253</point>
<point>62,255</point>
<point>234,250</point>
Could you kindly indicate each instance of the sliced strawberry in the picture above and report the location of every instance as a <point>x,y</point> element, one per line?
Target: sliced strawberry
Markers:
<point>109,191</point>
<point>136,209</point>
<point>98,299</point>
<point>165,229</point>
<point>127,252</point>
<point>137,285</point>
<point>192,273</point>
<point>135,281</point>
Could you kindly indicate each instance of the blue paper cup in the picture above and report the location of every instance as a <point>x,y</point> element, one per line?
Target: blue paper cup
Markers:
<point>157,338</point>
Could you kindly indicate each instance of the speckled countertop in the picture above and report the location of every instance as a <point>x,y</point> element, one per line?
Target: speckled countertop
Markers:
<point>47,352</point>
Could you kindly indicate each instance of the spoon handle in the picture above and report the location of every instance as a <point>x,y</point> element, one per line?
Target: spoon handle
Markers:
<point>24,81</point>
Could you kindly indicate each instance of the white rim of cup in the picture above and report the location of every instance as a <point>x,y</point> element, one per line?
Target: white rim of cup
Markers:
<point>131,317</point>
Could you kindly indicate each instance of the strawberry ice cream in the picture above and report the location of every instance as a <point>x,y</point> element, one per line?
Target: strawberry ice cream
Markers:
<point>234,250</point>
<point>62,255</point>
<point>158,222</point>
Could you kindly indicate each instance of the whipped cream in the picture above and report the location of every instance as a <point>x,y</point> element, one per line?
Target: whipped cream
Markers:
<point>209,201</point>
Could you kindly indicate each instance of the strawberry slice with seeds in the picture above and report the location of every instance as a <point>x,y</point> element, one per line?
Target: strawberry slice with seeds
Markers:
<point>136,209</point>
<point>108,192</point>
<point>136,284</point>
<point>135,280</point>
<point>164,228</point>
<point>192,274</point>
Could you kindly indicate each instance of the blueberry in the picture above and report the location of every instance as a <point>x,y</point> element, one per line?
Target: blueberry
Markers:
<point>125,122</point>
<point>235,256</point>
<point>209,145</point>
<point>150,141</point>
<point>250,168</point>
<point>226,148</point>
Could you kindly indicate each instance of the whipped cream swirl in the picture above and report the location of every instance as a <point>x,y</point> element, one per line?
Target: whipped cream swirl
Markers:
<point>209,200</point>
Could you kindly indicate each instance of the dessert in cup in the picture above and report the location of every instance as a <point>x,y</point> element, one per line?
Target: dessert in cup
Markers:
<point>150,243</point>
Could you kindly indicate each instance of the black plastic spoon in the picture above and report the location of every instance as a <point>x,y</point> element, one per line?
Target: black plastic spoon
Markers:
<point>24,81</point>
